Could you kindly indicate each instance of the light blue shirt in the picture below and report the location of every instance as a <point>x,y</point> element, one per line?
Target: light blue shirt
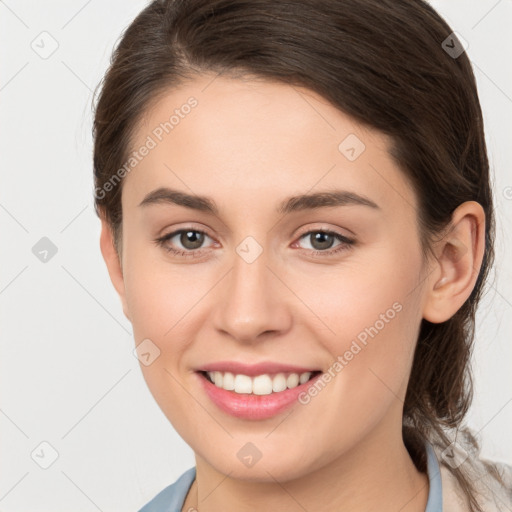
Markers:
<point>171,499</point>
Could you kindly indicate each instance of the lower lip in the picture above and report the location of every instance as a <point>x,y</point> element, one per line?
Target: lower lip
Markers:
<point>253,407</point>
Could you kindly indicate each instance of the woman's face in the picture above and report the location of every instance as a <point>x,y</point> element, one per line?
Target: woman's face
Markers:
<point>277,287</point>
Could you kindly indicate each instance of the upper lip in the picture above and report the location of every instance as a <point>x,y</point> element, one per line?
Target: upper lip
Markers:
<point>239,368</point>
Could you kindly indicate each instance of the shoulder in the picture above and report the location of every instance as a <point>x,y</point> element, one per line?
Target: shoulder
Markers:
<point>171,498</point>
<point>492,480</point>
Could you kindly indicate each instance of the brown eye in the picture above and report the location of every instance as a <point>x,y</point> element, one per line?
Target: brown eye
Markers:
<point>321,240</point>
<point>183,242</point>
<point>191,239</point>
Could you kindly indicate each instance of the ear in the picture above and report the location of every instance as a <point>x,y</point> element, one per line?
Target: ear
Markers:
<point>459,256</point>
<point>113,262</point>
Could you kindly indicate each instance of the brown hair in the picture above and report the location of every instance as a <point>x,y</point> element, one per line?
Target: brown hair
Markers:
<point>382,62</point>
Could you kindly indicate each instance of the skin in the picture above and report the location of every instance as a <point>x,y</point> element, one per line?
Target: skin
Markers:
<point>249,144</point>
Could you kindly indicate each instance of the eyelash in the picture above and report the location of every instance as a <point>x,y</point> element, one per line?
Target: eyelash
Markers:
<point>345,244</point>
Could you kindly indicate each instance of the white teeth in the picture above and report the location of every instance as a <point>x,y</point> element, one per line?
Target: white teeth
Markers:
<point>292,381</point>
<point>217,378</point>
<point>243,384</point>
<point>229,381</point>
<point>262,385</point>
<point>259,385</point>
<point>279,383</point>
<point>304,377</point>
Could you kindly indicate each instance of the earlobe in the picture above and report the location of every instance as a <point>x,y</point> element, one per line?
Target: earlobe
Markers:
<point>459,256</point>
<point>113,263</point>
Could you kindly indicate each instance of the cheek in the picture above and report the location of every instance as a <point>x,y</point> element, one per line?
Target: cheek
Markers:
<point>161,307</point>
<point>160,296</point>
<point>165,302</point>
<point>375,359</point>
<point>372,351</point>
<point>375,291</point>
<point>371,311</point>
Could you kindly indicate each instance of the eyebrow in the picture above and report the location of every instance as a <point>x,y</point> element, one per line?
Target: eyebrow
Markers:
<point>164,195</point>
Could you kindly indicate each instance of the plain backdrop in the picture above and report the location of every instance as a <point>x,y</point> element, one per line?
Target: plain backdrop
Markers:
<point>73,397</point>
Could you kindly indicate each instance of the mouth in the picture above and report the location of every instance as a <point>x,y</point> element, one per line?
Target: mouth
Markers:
<point>263,384</point>
<point>246,392</point>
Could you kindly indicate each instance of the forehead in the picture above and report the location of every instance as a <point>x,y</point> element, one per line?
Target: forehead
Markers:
<point>216,135</point>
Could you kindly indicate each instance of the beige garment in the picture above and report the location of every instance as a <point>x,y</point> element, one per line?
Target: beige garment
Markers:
<point>492,495</point>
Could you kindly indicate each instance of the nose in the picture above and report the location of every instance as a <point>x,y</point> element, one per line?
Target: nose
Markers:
<point>253,301</point>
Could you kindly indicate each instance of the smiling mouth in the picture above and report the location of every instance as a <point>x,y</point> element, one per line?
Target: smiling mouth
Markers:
<point>264,384</point>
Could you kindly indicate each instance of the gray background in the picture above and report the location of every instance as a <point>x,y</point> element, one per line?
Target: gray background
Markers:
<point>68,374</point>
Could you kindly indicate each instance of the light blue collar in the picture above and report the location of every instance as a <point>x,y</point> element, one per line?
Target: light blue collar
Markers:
<point>435,494</point>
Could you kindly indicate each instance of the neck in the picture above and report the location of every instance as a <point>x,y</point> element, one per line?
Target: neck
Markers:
<point>377,474</point>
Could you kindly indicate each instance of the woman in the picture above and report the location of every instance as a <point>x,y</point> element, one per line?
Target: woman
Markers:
<point>296,214</point>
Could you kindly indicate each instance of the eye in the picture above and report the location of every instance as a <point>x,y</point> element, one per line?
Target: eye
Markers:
<point>183,242</point>
<point>322,240</point>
